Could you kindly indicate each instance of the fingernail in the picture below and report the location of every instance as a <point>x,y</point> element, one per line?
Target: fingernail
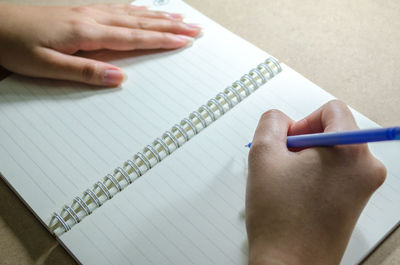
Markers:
<point>175,16</point>
<point>125,77</point>
<point>189,40</point>
<point>193,26</point>
<point>201,33</point>
<point>113,77</point>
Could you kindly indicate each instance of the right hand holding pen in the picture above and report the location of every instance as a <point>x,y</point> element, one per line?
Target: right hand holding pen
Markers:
<point>301,207</point>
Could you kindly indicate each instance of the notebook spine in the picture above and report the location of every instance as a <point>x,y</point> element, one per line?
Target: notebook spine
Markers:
<point>160,148</point>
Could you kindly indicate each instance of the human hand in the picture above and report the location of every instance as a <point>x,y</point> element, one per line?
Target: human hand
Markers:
<point>41,41</point>
<point>301,207</point>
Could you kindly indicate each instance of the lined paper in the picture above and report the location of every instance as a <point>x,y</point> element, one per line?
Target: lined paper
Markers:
<point>189,208</point>
<point>58,138</point>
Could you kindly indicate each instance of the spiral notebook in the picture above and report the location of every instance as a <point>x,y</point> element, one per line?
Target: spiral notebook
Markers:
<point>155,172</point>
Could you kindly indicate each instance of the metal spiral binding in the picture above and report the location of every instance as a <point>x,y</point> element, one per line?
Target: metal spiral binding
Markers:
<point>162,147</point>
<point>82,204</point>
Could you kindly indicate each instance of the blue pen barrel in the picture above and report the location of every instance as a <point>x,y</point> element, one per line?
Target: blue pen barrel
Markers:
<point>341,138</point>
<point>396,131</point>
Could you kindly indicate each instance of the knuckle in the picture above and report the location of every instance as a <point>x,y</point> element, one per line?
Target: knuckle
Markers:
<point>136,35</point>
<point>81,9</point>
<point>88,72</point>
<point>37,52</point>
<point>273,113</point>
<point>335,103</point>
<point>173,24</point>
<point>158,14</point>
<point>79,29</point>
<point>338,106</point>
<point>372,172</point>
<point>165,39</point>
<point>377,173</point>
<point>46,60</point>
<point>143,23</point>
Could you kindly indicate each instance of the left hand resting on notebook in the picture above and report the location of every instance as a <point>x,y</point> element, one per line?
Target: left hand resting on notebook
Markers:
<point>301,207</point>
<point>40,41</point>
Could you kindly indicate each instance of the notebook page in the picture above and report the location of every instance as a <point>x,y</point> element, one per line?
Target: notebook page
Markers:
<point>189,208</point>
<point>58,138</point>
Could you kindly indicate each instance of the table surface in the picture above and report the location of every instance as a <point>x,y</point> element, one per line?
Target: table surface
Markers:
<point>349,48</point>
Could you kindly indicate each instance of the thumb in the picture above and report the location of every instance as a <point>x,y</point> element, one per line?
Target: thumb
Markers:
<point>331,117</point>
<point>272,131</point>
<point>57,65</point>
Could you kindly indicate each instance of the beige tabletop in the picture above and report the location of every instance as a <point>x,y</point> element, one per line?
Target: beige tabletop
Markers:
<point>349,48</point>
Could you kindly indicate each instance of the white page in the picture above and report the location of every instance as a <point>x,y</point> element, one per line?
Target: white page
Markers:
<point>189,208</point>
<point>54,144</point>
<point>58,138</point>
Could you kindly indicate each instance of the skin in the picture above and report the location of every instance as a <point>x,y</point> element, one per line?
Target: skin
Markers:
<point>301,207</point>
<point>42,41</point>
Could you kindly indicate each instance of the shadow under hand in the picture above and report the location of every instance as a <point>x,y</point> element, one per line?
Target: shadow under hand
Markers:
<point>3,73</point>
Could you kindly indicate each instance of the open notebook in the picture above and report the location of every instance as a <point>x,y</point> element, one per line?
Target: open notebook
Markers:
<point>155,172</point>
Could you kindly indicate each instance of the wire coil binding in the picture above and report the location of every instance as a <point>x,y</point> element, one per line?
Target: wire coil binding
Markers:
<point>160,148</point>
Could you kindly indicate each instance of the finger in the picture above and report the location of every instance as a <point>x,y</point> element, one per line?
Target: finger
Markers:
<point>155,14</point>
<point>272,131</point>
<point>139,11</point>
<point>332,116</point>
<point>162,25</point>
<point>57,65</point>
<point>134,7</point>
<point>124,39</point>
<point>120,8</point>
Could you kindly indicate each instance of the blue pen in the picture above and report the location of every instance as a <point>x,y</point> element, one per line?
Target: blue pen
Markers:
<point>341,138</point>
